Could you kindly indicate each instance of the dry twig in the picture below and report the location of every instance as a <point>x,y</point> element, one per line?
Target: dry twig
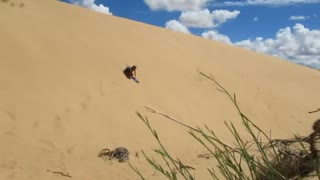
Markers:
<point>185,125</point>
<point>61,173</point>
<point>314,111</point>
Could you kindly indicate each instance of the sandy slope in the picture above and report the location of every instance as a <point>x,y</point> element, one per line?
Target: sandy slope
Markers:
<point>63,96</point>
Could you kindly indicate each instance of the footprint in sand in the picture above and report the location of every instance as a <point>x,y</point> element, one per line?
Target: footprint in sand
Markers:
<point>13,3</point>
<point>6,121</point>
<point>83,105</point>
<point>10,164</point>
<point>11,132</point>
<point>57,117</point>
<point>70,150</point>
<point>68,110</point>
<point>48,146</point>
<point>35,124</point>
<point>58,125</point>
<point>10,115</point>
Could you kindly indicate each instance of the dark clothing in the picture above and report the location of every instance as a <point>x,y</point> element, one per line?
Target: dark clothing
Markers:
<point>129,72</point>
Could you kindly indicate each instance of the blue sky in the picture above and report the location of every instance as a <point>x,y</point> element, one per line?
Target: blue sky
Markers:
<point>289,29</point>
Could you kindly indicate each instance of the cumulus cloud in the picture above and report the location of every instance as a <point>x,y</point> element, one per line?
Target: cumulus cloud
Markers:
<point>214,35</point>
<point>205,19</point>
<point>92,5</point>
<point>298,44</point>
<point>177,26</point>
<point>297,18</point>
<point>266,2</point>
<point>176,5</point>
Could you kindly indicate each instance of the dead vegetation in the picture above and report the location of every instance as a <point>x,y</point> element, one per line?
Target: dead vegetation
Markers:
<point>259,157</point>
<point>314,111</point>
<point>120,153</point>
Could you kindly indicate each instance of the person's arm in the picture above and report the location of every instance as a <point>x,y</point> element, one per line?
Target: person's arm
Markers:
<point>134,72</point>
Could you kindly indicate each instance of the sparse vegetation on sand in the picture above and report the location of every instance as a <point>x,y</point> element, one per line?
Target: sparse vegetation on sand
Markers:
<point>261,157</point>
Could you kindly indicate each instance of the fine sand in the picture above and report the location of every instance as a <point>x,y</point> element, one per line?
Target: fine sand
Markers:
<point>63,96</point>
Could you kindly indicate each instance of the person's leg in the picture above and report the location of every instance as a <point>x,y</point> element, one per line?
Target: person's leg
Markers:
<point>126,72</point>
<point>135,79</point>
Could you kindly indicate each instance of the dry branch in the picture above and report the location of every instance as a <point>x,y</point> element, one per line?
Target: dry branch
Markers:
<point>61,173</point>
<point>314,111</point>
<point>185,125</point>
<point>169,117</point>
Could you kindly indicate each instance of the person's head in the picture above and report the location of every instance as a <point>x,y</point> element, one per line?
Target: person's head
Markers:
<point>134,67</point>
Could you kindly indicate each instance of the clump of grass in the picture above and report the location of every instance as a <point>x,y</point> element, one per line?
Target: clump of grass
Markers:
<point>173,166</point>
<point>259,158</point>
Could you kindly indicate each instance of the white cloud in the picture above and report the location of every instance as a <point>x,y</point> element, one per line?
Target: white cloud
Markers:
<point>255,19</point>
<point>266,2</point>
<point>298,44</point>
<point>213,35</point>
<point>197,18</point>
<point>176,5</point>
<point>177,26</point>
<point>205,19</point>
<point>297,18</point>
<point>92,5</point>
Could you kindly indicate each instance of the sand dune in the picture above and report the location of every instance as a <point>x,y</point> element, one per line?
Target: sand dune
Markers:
<point>63,96</point>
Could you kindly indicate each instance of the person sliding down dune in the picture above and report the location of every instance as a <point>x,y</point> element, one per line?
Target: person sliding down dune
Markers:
<point>130,73</point>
